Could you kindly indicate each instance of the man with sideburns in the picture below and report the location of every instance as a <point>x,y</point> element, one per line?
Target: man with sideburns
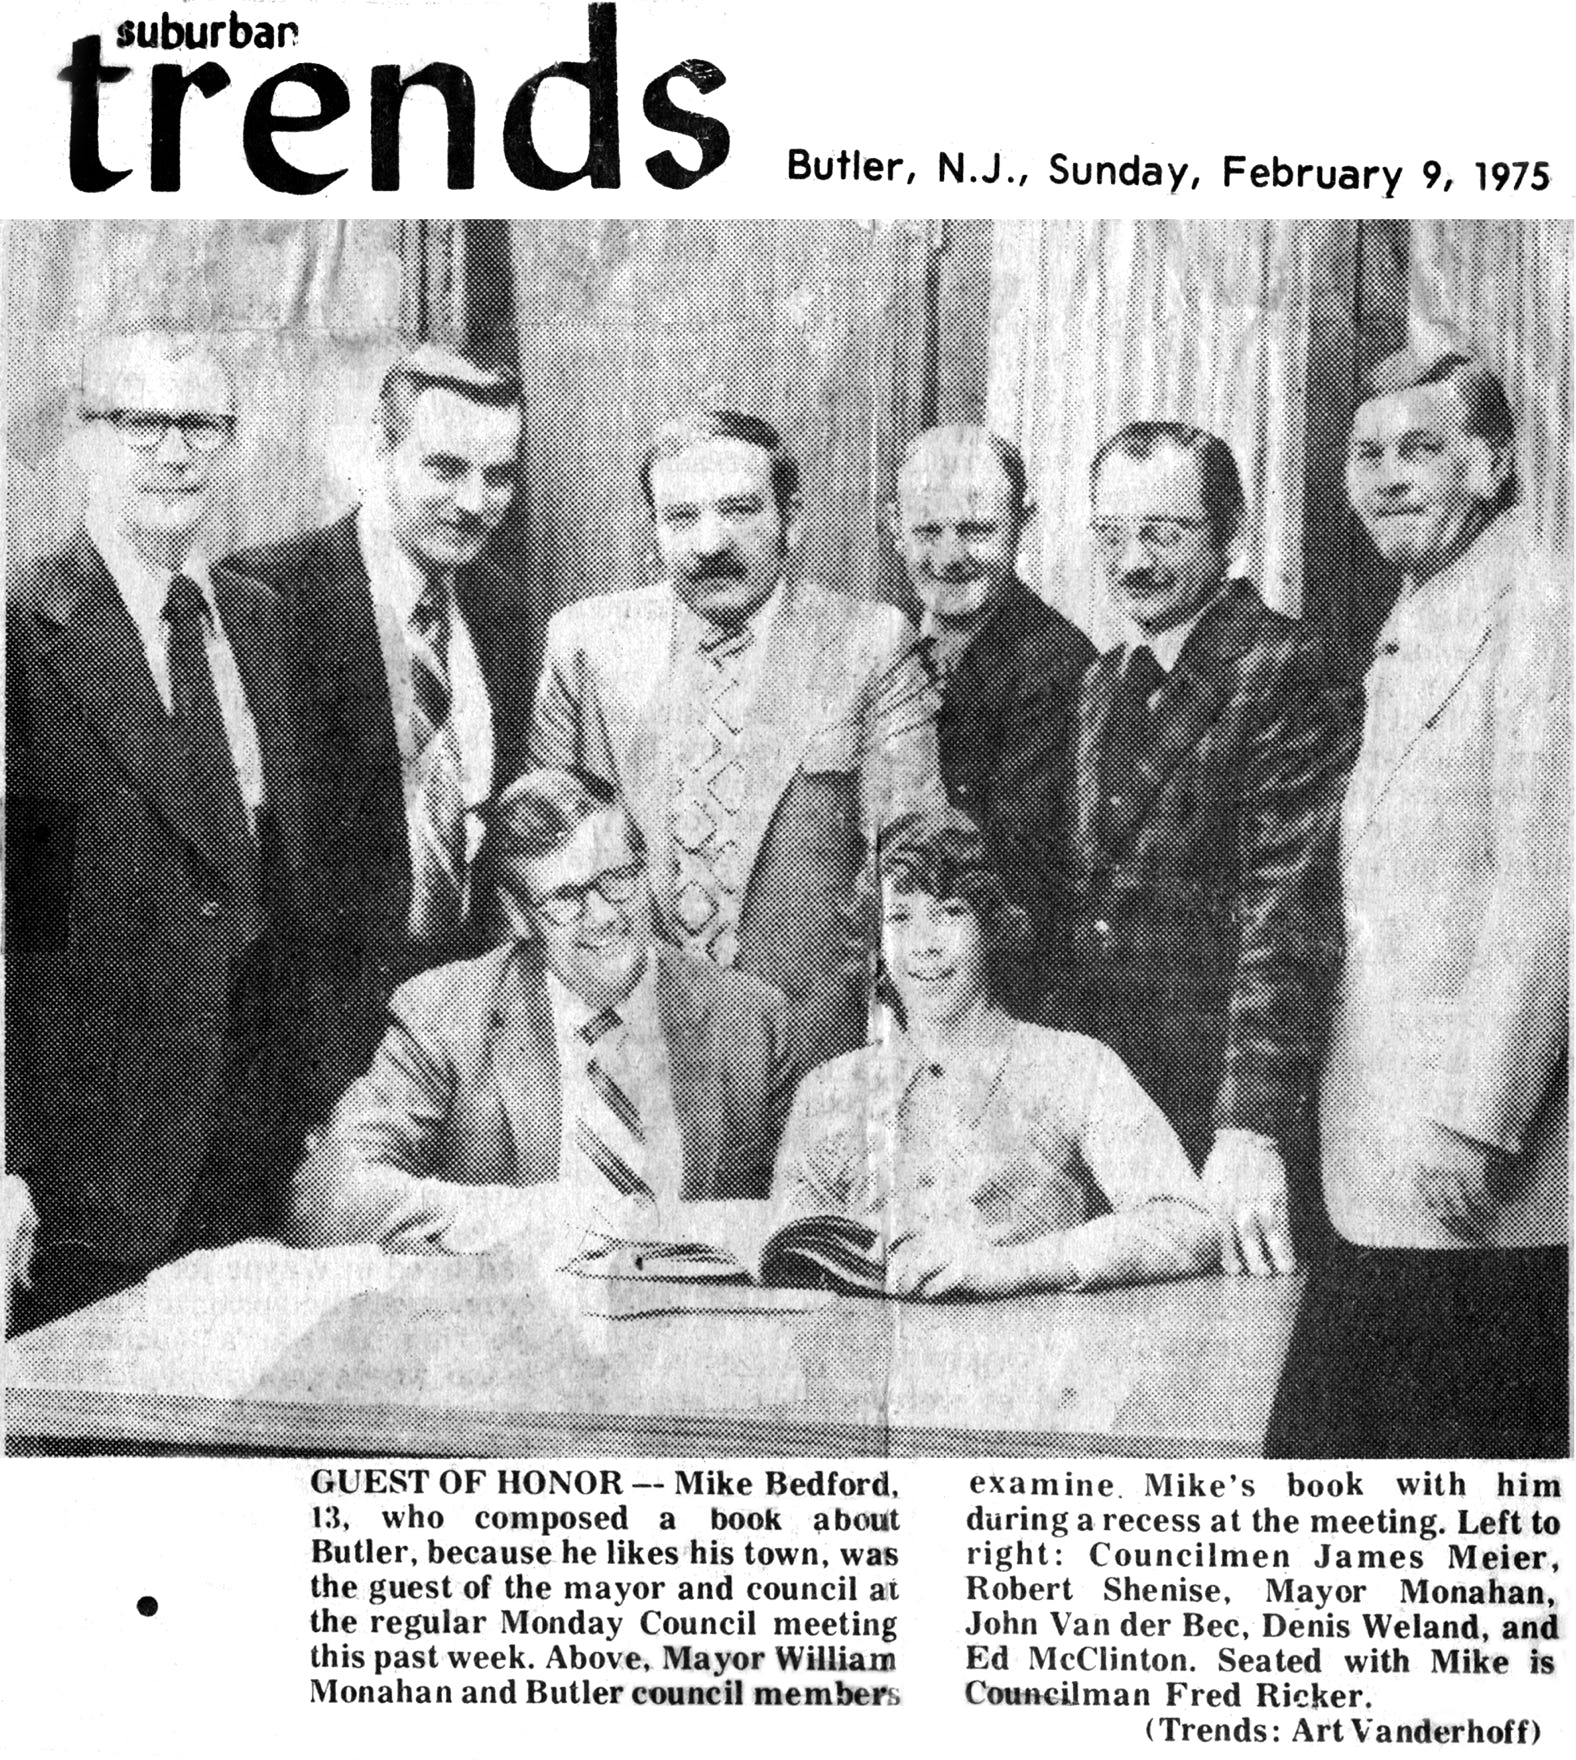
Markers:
<point>758,726</point>
<point>410,698</point>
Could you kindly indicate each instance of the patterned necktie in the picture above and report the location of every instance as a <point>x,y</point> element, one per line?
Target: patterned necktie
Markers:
<point>613,1142</point>
<point>1130,731</point>
<point>708,791</point>
<point>438,804</point>
<point>199,730</point>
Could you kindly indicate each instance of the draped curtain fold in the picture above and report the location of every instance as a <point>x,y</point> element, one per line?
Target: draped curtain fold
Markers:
<point>819,326</point>
<point>1503,288</point>
<point>1098,323</point>
<point>309,313</point>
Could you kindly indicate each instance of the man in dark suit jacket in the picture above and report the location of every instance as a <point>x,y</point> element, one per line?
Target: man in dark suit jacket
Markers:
<point>411,699</point>
<point>1006,662</point>
<point>760,728</point>
<point>155,845</point>
<point>580,1074</point>
<point>1210,751</point>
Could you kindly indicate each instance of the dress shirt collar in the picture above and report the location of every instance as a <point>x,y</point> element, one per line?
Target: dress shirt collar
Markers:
<point>398,580</point>
<point>143,586</point>
<point>951,639</point>
<point>1166,645</point>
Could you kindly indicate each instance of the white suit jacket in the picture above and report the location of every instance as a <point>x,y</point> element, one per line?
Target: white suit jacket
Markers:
<point>1453,1003</point>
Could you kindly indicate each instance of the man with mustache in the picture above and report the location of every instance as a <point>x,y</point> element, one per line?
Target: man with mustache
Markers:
<point>154,872</point>
<point>758,726</point>
<point>410,693</point>
<point>1006,663</point>
<point>1210,748</point>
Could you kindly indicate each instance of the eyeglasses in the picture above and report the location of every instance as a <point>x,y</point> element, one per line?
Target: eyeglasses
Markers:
<point>144,429</point>
<point>567,904</point>
<point>1152,534</point>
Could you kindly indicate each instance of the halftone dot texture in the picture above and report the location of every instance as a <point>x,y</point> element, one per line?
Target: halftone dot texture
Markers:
<point>850,337</point>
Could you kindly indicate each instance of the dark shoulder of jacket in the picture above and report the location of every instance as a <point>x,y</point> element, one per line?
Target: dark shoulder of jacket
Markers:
<point>266,595</point>
<point>33,583</point>
<point>495,583</point>
<point>1044,630</point>
<point>1306,661</point>
<point>282,563</point>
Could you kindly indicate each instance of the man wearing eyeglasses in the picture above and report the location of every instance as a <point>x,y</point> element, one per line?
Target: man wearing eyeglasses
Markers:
<point>582,1074</point>
<point>1210,747</point>
<point>155,830</point>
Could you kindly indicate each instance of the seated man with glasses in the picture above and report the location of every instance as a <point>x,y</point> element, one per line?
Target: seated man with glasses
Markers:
<point>582,1073</point>
<point>1209,751</point>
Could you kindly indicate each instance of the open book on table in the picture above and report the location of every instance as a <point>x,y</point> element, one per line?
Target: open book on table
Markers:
<point>811,1252</point>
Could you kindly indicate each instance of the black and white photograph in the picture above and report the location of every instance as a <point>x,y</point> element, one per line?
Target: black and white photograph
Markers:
<point>786,837</point>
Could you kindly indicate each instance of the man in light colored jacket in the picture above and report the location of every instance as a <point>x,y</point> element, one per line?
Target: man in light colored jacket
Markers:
<point>1438,1325</point>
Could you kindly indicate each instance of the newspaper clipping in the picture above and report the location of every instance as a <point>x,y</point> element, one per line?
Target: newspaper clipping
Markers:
<point>794,934</point>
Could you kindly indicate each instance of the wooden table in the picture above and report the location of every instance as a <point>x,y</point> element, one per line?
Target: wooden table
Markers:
<point>262,1350</point>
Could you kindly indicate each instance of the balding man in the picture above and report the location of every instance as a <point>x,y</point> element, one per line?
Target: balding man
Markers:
<point>1437,1323</point>
<point>1007,664</point>
<point>154,819</point>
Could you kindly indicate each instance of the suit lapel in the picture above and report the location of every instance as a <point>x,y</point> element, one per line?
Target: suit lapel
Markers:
<point>101,663</point>
<point>789,707</point>
<point>352,680</point>
<point>699,1102</point>
<point>626,711</point>
<point>351,710</point>
<point>524,1065</point>
<point>1452,652</point>
<point>1187,706</point>
<point>255,629</point>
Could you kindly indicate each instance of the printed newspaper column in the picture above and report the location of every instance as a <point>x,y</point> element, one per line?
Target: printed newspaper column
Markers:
<point>604,1586</point>
<point>1269,1603</point>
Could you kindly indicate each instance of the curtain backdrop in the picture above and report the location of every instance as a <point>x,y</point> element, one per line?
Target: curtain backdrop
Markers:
<point>1503,287</point>
<point>1097,323</point>
<point>310,313</point>
<point>825,328</point>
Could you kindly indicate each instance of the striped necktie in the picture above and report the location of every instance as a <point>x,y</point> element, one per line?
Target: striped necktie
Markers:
<point>613,1141</point>
<point>438,802</point>
<point>708,792</point>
